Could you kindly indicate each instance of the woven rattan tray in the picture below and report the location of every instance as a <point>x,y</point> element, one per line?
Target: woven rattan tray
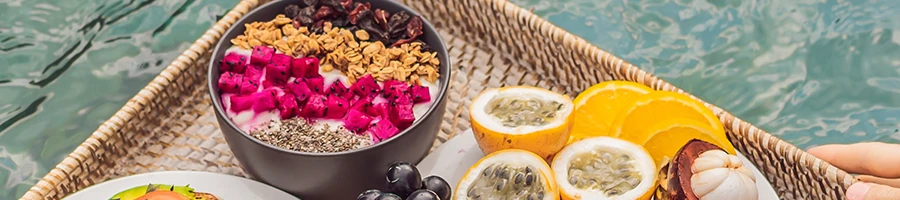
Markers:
<point>170,124</point>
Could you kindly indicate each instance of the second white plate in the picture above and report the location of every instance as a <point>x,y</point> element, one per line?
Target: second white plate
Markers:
<point>226,187</point>
<point>452,159</point>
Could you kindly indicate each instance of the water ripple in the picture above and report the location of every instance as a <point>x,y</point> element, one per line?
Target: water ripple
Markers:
<point>811,72</point>
<point>72,64</point>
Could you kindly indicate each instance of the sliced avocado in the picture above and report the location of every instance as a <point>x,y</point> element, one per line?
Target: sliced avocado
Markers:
<point>135,192</point>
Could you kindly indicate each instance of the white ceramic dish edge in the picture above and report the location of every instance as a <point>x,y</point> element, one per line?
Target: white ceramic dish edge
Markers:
<point>226,187</point>
<point>454,157</point>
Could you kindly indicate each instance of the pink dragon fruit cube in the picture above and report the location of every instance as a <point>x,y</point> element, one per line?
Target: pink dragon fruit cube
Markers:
<point>394,89</point>
<point>299,89</point>
<point>316,84</point>
<point>365,86</point>
<point>382,109</point>
<point>282,59</point>
<point>277,73</point>
<point>338,88</point>
<point>402,115</point>
<point>249,85</point>
<point>382,129</point>
<point>261,55</point>
<point>420,94</point>
<point>240,103</point>
<point>265,100</point>
<point>287,106</point>
<point>356,121</point>
<point>362,104</point>
<point>306,67</point>
<point>233,62</point>
<point>337,107</point>
<point>314,107</point>
<point>230,82</point>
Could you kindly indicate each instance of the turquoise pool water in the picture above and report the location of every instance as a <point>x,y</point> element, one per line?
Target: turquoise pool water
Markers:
<point>811,72</point>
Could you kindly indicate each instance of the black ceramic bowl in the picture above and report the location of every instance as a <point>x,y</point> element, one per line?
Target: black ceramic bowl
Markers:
<point>341,175</point>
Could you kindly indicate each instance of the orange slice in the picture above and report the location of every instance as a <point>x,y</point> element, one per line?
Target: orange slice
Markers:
<point>600,168</point>
<point>651,108</point>
<point>597,107</point>
<point>521,117</point>
<point>664,139</point>
<point>508,174</point>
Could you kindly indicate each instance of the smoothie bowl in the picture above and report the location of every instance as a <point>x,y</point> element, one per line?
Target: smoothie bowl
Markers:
<point>319,97</point>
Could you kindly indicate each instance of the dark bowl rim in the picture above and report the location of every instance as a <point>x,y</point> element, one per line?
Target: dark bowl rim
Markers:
<point>444,84</point>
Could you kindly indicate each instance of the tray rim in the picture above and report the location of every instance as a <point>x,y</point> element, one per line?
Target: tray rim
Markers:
<point>127,112</point>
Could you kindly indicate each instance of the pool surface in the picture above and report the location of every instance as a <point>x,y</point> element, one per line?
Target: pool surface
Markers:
<point>811,72</point>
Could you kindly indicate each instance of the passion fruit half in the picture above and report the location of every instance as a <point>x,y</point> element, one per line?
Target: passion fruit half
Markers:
<point>508,174</point>
<point>601,168</point>
<point>521,117</point>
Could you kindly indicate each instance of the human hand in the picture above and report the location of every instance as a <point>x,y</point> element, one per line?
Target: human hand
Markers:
<point>878,163</point>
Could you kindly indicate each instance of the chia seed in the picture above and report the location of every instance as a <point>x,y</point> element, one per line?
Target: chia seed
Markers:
<point>299,135</point>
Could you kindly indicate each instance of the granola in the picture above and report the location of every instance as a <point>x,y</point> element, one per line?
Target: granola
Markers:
<point>351,52</point>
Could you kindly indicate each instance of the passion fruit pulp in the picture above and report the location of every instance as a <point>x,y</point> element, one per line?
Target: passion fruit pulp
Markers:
<point>521,117</point>
<point>600,168</point>
<point>508,174</point>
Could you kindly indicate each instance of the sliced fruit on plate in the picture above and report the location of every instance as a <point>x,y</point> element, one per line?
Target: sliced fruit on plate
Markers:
<point>599,168</point>
<point>597,107</point>
<point>521,117</point>
<point>162,192</point>
<point>508,174</point>
<point>648,109</point>
<point>703,171</point>
<point>665,138</point>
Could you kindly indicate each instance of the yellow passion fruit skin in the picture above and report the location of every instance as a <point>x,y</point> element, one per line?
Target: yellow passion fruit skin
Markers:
<point>521,117</point>
<point>604,168</point>
<point>508,174</point>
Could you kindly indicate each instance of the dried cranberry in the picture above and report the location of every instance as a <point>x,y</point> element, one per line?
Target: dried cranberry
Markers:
<point>366,20</point>
<point>398,34</point>
<point>354,15</point>
<point>309,3</point>
<point>396,26</point>
<point>305,17</point>
<point>319,27</point>
<point>347,4</point>
<point>292,11</point>
<point>340,22</point>
<point>381,17</point>
<point>413,30</point>
<point>335,5</point>
<point>324,12</point>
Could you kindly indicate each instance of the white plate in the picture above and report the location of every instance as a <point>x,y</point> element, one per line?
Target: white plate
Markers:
<point>226,187</point>
<point>453,158</point>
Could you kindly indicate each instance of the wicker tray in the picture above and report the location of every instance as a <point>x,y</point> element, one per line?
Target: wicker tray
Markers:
<point>170,124</point>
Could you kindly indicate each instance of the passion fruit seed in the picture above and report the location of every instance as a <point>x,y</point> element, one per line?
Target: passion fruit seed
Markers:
<point>516,111</point>
<point>604,170</point>
<point>507,182</point>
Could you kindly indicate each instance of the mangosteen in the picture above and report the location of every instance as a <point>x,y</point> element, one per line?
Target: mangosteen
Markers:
<point>703,162</point>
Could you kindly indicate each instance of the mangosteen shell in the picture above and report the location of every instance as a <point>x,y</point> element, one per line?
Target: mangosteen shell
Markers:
<point>340,175</point>
<point>680,172</point>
